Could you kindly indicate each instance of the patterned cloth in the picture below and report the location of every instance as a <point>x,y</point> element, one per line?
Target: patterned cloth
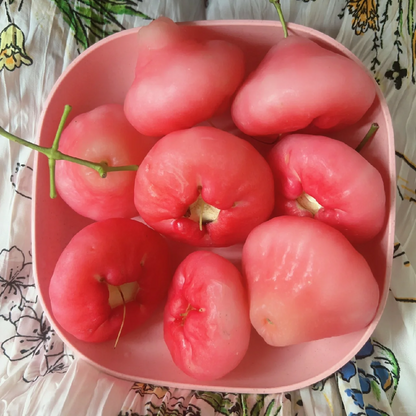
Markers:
<point>39,374</point>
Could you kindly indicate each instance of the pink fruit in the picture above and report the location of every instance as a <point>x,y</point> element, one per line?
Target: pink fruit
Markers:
<point>300,84</point>
<point>323,178</point>
<point>100,135</point>
<point>306,282</point>
<point>180,82</point>
<point>205,187</point>
<point>206,322</point>
<point>101,260</point>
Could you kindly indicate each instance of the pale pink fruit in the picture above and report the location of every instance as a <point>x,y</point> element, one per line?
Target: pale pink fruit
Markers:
<point>180,82</point>
<point>306,282</point>
<point>300,84</point>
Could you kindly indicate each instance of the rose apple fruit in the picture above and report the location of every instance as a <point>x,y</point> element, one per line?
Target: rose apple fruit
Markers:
<point>100,135</point>
<point>299,84</point>
<point>306,282</point>
<point>180,82</point>
<point>323,178</point>
<point>106,267</point>
<point>205,187</point>
<point>206,320</point>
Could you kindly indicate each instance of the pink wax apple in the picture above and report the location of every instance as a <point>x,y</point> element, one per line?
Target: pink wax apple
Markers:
<point>205,187</point>
<point>100,135</point>
<point>299,85</point>
<point>306,282</point>
<point>323,178</point>
<point>180,82</point>
<point>206,322</point>
<point>108,268</point>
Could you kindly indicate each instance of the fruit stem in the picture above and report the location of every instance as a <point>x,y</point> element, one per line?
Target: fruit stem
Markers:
<point>53,154</point>
<point>276,4</point>
<point>371,132</point>
<point>189,309</point>
<point>124,317</point>
<point>185,314</point>
<point>54,150</point>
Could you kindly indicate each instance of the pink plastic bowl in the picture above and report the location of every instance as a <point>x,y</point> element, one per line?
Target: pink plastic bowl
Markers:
<point>102,75</point>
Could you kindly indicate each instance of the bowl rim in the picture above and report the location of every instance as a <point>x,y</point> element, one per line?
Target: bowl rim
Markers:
<point>292,27</point>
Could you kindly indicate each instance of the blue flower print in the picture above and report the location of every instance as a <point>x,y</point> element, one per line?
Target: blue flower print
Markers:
<point>383,375</point>
<point>348,371</point>
<point>366,350</point>
<point>357,396</point>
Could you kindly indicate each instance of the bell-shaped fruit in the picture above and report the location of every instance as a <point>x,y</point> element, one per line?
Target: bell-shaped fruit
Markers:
<point>206,322</point>
<point>205,187</point>
<point>323,178</point>
<point>100,135</point>
<point>180,82</point>
<point>306,282</point>
<point>300,84</point>
<point>110,269</point>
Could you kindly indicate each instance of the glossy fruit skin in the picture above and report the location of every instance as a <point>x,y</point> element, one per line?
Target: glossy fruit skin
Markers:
<point>206,321</point>
<point>114,251</point>
<point>306,282</point>
<point>180,82</point>
<point>350,190</point>
<point>225,170</point>
<point>102,134</point>
<point>300,85</point>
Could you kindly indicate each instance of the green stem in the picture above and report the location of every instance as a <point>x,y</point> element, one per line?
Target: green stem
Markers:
<point>276,4</point>
<point>371,132</point>
<point>54,149</point>
<point>53,154</point>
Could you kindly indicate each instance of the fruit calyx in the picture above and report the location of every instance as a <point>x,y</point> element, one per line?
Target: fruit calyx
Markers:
<point>201,212</point>
<point>119,295</point>
<point>308,203</point>
<point>190,308</point>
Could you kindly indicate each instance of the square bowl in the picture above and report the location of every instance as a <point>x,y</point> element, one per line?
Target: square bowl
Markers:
<point>103,74</point>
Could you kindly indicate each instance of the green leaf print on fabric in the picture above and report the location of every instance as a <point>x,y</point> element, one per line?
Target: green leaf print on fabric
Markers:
<point>389,379</point>
<point>93,20</point>
<point>376,389</point>
<point>267,405</point>
<point>240,404</point>
<point>271,411</point>
<point>223,403</point>
<point>258,406</point>
<point>142,389</point>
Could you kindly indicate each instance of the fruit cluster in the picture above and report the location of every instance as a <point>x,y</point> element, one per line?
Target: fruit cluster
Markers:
<point>293,210</point>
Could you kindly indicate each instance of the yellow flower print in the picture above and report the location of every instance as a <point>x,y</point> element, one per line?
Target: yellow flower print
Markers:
<point>143,389</point>
<point>12,48</point>
<point>364,15</point>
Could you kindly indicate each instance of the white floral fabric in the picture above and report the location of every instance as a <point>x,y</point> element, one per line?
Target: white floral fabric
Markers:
<point>39,374</point>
